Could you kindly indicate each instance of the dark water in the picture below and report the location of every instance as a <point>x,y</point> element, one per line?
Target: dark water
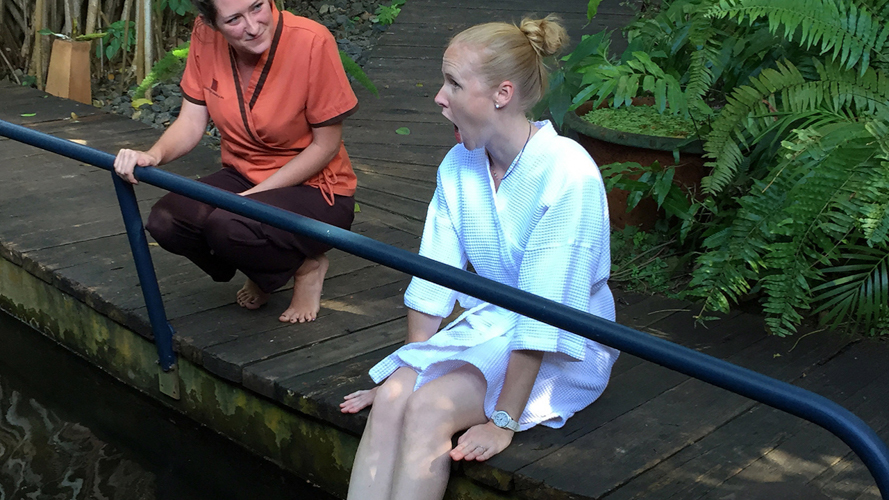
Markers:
<point>69,431</point>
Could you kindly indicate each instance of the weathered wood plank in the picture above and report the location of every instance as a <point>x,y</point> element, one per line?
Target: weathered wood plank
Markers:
<point>407,224</point>
<point>319,393</point>
<point>420,191</point>
<point>422,174</point>
<point>429,155</point>
<point>439,135</point>
<point>707,464</point>
<point>267,352</point>
<point>19,101</point>
<point>661,427</point>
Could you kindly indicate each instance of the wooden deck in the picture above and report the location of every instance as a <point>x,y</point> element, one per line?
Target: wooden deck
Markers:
<point>653,434</point>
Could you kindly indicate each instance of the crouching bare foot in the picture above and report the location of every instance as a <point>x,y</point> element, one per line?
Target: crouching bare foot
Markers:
<point>307,283</point>
<point>251,296</point>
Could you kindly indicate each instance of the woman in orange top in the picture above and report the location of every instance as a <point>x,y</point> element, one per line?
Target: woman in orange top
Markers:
<point>275,88</point>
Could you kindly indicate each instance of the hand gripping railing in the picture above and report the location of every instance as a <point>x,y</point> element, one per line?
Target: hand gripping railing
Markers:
<point>781,395</point>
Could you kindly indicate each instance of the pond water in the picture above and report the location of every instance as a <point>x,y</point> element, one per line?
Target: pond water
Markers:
<point>69,431</point>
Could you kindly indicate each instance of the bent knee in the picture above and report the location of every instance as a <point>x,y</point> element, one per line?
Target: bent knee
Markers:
<point>161,225</point>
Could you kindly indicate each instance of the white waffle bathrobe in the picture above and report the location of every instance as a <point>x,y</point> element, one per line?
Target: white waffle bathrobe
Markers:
<point>545,231</point>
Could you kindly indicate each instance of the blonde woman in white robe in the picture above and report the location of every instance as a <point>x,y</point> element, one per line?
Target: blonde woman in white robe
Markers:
<point>526,208</point>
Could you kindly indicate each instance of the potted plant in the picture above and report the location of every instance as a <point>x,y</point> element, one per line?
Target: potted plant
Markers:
<point>796,204</point>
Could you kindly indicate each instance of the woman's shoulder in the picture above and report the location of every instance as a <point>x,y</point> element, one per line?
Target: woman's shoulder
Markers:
<point>305,26</point>
<point>563,159</point>
<point>203,34</point>
<point>459,160</point>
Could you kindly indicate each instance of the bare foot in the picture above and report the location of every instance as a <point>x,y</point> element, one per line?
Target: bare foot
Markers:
<point>358,401</point>
<point>251,296</point>
<point>307,283</point>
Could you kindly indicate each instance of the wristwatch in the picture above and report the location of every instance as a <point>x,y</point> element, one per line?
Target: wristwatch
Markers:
<point>504,421</point>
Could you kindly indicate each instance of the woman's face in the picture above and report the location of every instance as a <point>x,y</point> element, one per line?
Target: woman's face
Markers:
<point>245,24</point>
<point>465,99</point>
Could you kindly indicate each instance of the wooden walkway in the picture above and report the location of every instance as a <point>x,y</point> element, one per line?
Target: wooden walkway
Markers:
<point>653,434</point>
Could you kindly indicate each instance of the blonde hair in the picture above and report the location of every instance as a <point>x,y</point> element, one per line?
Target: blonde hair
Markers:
<point>515,53</point>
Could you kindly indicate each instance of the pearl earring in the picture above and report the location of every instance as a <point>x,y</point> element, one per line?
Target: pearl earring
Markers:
<point>496,106</point>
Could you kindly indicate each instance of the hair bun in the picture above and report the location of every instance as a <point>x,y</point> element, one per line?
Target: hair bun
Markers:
<point>546,35</point>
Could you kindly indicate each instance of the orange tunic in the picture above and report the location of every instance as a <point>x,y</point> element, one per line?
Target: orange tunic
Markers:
<point>299,83</point>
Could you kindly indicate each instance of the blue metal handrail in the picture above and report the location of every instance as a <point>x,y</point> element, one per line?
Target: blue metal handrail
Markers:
<point>781,395</point>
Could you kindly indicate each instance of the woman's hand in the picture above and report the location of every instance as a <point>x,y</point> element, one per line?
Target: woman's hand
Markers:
<point>128,159</point>
<point>481,442</point>
<point>358,401</point>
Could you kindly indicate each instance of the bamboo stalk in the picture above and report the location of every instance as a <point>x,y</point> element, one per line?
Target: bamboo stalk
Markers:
<point>125,16</point>
<point>37,60</point>
<point>20,16</point>
<point>92,14</point>
<point>112,7</point>
<point>27,46</point>
<point>68,27</point>
<point>139,59</point>
<point>148,33</point>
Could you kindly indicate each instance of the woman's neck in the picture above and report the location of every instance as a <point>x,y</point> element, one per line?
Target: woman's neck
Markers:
<point>506,145</point>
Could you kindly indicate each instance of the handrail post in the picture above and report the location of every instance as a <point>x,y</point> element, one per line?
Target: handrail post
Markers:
<point>168,372</point>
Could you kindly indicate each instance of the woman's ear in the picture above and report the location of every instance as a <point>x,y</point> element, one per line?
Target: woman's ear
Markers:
<point>503,94</point>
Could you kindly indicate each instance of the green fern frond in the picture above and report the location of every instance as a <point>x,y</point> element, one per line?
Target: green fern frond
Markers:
<point>852,35</point>
<point>751,110</point>
<point>859,289</point>
<point>743,105</point>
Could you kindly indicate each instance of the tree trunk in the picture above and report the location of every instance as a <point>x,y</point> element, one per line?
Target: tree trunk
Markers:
<point>139,59</point>
<point>25,25</point>
<point>148,33</point>
<point>70,19</point>
<point>125,17</point>
<point>38,56</point>
<point>92,14</point>
<point>112,7</point>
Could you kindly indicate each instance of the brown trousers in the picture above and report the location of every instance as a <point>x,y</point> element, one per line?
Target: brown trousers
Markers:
<point>221,242</point>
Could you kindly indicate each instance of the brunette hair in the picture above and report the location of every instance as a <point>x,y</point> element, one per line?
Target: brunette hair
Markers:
<point>207,10</point>
<point>516,53</point>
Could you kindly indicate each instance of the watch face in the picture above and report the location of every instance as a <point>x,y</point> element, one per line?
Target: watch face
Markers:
<point>500,418</point>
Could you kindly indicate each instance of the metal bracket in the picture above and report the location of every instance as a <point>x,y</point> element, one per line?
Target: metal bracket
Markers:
<point>168,381</point>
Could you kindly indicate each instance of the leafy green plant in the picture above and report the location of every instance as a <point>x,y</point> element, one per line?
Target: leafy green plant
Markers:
<point>804,143</point>
<point>113,40</point>
<point>170,65</point>
<point>179,7</point>
<point>644,262</point>
<point>386,14</point>
<point>796,207</point>
<point>354,70</point>
<point>652,181</point>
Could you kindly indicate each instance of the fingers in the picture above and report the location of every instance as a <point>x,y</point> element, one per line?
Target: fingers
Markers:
<point>481,442</point>
<point>358,401</point>
<point>126,161</point>
<point>472,451</point>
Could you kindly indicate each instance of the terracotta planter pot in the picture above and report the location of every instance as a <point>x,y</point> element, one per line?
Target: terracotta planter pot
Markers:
<point>608,146</point>
<point>69,71</point>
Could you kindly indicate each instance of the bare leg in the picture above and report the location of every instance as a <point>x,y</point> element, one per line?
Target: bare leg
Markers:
<point>375,460</point>
<point>251,296</point>
<point>433,415</point>
<point>307,284</point>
